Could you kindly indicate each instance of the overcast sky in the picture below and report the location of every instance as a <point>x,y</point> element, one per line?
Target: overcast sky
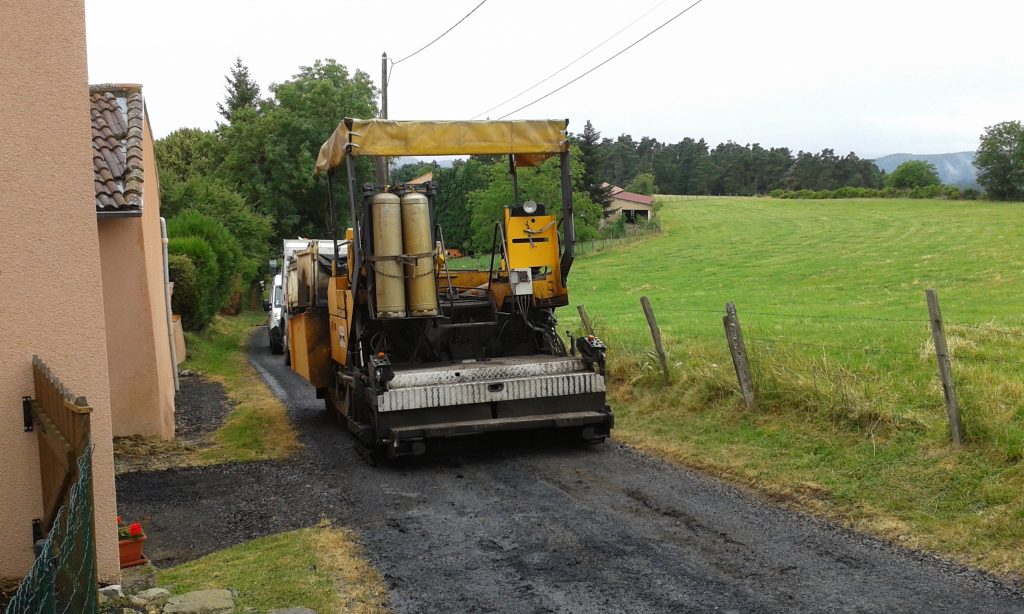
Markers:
<point>870,76</point>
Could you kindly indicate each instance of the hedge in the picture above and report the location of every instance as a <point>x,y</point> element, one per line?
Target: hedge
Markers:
<point>197,307</point>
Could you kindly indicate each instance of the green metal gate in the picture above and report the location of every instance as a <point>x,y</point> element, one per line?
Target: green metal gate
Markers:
<point>63,577</point>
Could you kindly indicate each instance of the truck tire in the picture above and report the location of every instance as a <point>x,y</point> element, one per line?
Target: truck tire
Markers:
<point>276,342</point>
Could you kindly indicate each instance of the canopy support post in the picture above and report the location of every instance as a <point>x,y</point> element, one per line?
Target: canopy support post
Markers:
<point>334,220</point>
<point>356,230</point>
<point>568,225</point>
<point>515,179</point>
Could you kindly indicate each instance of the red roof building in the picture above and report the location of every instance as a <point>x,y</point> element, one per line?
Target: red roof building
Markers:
<point>630,205</point>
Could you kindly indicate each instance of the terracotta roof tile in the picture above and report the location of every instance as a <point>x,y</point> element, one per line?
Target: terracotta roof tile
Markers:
<point>118,116</point>
<point>633,197</point>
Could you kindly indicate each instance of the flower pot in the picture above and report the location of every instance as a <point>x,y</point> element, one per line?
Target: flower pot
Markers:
<point>131,551</point>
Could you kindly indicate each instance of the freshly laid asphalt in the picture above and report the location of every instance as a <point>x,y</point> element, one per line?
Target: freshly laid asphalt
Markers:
<point>508,526</point>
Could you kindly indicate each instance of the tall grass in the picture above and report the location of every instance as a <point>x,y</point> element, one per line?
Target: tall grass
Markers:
<point>850,419</point>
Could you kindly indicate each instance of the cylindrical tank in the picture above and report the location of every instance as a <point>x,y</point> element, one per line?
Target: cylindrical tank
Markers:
<point>420,285</point>
<point>387,241</point>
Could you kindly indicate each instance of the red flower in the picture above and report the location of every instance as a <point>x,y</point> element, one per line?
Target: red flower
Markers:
<point>119,521</point>
<point>135,529</point>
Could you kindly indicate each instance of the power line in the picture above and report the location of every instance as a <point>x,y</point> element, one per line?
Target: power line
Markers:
<point>560,70</point>
<point>631,45</point>
<point>466,16</point>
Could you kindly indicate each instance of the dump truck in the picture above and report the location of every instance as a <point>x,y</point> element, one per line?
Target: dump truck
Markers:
<point>407,351</point>
<point>289,248</point>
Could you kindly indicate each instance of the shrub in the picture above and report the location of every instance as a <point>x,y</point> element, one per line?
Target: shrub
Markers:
<point>186,298</point>
<point>614,230</point>
<point>930,191</point>
<point>227,250</point>
<point>951,192</point>
<point>215,199</point>
<point>204,302</point>
<point>777,193</point>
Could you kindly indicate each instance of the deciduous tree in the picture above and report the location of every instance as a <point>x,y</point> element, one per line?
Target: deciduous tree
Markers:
<point>913,174</point>
<point>271,154</point>
<point>1000,161</point>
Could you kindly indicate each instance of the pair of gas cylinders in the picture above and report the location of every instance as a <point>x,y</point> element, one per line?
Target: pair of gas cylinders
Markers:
<point>403,256</point>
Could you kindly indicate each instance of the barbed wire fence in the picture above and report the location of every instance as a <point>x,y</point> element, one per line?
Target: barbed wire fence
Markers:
<point>931,345</point>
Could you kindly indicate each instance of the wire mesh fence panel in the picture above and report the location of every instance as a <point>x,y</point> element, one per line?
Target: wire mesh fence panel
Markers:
<point>63,577</point>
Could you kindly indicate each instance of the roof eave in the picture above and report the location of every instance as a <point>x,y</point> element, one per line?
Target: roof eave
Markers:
<point>116,213</point>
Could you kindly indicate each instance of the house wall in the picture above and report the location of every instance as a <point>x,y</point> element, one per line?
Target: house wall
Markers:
<point>141,376</point>
<point>618,206</point>
<point>49,262</point>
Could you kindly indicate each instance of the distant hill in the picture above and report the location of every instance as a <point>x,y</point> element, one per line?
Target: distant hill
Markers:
<point>954,168</point>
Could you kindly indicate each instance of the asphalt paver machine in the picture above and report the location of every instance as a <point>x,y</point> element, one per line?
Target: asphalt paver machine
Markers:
<point>408,351</point>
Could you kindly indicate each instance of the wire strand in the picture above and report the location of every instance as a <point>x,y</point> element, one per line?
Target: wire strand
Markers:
<point>562,69</point>
<point>466,16</point>
<point>624,50</point>
<point>866,350</point>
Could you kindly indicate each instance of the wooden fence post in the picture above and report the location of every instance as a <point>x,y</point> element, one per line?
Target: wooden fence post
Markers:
<point>656,334</point>
<point>738,350</point>
<point>956,428</point>
<point>586,320</point>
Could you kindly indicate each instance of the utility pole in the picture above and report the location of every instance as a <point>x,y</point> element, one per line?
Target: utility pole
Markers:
<point>381,161</point>
<point>384,88</point>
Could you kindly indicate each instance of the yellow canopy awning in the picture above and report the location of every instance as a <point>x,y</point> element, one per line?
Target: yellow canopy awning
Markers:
<point>531,140</point>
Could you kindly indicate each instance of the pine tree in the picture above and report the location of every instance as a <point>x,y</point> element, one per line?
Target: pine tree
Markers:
<point>242,91</point>
<point>590,154</point>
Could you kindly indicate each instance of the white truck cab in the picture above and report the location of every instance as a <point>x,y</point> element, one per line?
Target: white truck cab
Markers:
<point>275,321</point>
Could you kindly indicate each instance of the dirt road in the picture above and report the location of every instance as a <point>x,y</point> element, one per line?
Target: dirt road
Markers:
<point>546,529</point>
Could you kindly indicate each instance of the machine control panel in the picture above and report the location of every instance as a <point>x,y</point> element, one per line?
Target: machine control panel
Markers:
<point>521,281</point>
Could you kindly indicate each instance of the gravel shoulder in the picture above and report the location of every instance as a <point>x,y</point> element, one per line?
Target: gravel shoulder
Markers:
<point>200,407</point>
<point>512,527</point>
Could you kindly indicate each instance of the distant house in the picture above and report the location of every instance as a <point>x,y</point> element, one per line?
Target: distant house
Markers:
<point>140,334</point>
<point>425,177</point>
<point>629,205</point>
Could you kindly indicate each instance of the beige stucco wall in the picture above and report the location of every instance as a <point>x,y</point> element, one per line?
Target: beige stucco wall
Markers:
<point>49,261</point>
<point>138,346</point>
<point>617,206</point>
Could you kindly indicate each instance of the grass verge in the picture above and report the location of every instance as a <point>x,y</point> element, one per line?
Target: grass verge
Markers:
<point>851,420</point>
<point>257,427</point>
<point>321,568</point>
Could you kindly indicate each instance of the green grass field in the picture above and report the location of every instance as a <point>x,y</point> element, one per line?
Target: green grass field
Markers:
<point>851,419</point>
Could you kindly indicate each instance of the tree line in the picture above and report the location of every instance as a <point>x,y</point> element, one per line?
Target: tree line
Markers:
<point>692,166</point>
<point>232,193</point>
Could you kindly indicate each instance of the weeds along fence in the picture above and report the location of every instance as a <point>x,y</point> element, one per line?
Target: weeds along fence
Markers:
<point>584,248</point>
<point>962,380</point>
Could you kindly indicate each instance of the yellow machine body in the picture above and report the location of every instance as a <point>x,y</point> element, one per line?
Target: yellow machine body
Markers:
<point>310,348</point>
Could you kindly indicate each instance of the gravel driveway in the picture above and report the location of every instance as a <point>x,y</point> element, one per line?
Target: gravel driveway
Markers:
<point>546,529</point>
